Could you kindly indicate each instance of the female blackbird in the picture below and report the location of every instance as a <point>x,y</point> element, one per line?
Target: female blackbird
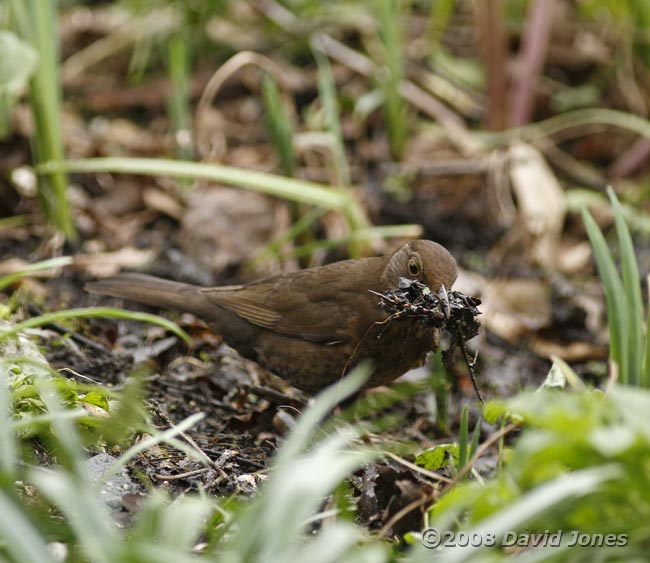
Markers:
<point>311,327</point>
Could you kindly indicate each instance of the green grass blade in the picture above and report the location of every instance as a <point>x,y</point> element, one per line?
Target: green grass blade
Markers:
<point>308,467</point>
<point>292,189</point>
<point>8,450</point>
<point>84,511</point>
<point>616,305</point>
<point>389,18</point>
<point>326,401</point>
<point>463,439</point>
<point>7,102</point>
<point>439,17</point>
<point>330,103</point>
<point>645,382</point>
<point>279,125</point>
<point>19,537</point>
<point>34,268</point>
<point>440,386</point>
<point>17,65</point>
<point>287,188</point>
<point>632,287</point>
<point>178,104</point>
<point>569,120</point>
<point>13,221</point>
<point>38,24</point>
<point>30,421</point>
<point>166,437</point>
<point>304,222</point>
<point>95,312</point>
<point>476,435</point>
<point>562,490</point>
<point>70,450</point>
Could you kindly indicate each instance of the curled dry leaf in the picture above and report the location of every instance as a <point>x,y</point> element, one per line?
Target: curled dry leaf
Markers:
<point>163,202</point>
<point>572,258</point>
<point>569,351</point>
<point>517,307</point>
<point>106,264</point>
<point>540,199</point>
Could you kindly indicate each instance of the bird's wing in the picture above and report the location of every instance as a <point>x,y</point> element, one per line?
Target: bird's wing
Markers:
<point>319,305</point>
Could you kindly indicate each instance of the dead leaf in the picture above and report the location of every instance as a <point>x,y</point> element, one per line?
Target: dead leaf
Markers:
<point>110,263</point>
<point>540,200</point>
<point>95,411</point>
<point>516,307</point>
<point>13,265</point>
<point>569,351</point>
<point>225,226</point>
<point>121,198</point>
<point>163,202</point>
<point>573,258</point>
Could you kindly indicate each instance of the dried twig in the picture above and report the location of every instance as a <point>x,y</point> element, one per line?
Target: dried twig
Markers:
<point>452,311</point>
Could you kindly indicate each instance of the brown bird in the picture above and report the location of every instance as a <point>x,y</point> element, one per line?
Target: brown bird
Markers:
<point>313,326</point>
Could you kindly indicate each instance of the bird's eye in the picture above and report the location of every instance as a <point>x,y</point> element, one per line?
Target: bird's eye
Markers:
<point>414,269</point>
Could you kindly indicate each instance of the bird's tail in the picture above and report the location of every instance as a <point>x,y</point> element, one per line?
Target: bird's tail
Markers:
<point>152,291</point>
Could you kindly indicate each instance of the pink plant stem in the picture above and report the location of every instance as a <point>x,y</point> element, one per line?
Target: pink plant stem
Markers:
<point>531,60</point>
<point>631,160</point>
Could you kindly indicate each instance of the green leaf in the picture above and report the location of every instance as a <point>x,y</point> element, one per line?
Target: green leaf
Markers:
<point>291,189</point>
<point>279,125</point>
<point>91,313</point>
<point>35,268</point>
<point>476,435</point>
<point>559,375</point>
<point>97,398</point>
<point>555,378</point>
<point>631,283</point>
<point>18,62</point>
<point>330,104</point>
<point>563,490</point>
<point>633,405</point>
<point>617,311</point>
<point>19,536</point>
<point>463,439</point>
<point>82,506</point>
<point>390,20</point>
<point>438,457</point>
<point>646,355</point>
<point>494,410</point>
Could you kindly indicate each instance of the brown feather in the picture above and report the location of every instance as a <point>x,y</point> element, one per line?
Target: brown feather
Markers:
<point>310,327</point>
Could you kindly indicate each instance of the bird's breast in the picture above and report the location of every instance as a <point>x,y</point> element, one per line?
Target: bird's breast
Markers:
<point>395,346</point>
